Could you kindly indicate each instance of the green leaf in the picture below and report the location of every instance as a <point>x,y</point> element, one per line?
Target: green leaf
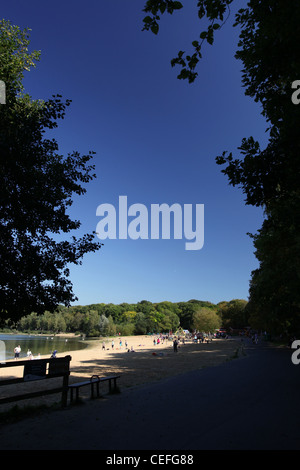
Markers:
<point>177,5</point>
<point>155,28</point>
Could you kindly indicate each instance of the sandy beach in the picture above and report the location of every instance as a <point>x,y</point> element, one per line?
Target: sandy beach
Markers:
<point>145,362</point>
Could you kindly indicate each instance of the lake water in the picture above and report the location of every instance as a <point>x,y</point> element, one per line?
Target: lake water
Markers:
<point>43,345</point>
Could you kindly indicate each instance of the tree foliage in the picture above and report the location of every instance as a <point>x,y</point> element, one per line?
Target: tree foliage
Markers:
<point>206,320</point>
<point>269,178</point>
<point>269,50</point>
<point>37,186</point>
<point>110,319</point>
<point>234,314</point>
<point>216,11</point>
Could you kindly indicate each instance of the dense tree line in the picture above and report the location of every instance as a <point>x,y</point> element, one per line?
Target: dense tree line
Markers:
<point>135,319</point>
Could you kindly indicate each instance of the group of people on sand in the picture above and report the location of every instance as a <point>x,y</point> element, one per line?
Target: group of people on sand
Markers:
<point>30,356</point>
<point>156,341</point>
<point>120,345</point>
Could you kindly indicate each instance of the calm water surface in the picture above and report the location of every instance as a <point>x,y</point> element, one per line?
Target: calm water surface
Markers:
<point>43,345</point>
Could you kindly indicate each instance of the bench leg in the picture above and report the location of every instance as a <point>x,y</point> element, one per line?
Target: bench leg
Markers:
<point>72,395</point>
<point>115,385</point>
<point>97,389</point>
<point>64,395</point>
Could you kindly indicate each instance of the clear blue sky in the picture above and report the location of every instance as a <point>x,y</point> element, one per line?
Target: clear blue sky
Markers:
<point>155,138</point>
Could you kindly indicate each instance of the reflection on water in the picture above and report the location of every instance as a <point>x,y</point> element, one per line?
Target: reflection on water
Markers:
<point>43,345</point>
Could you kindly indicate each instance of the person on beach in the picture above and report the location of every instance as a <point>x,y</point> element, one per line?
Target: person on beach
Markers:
<point>17,351</point>
<point>112,344</point>
<point>103,346</point>
<point>175,345</point>
<point>29,355</point>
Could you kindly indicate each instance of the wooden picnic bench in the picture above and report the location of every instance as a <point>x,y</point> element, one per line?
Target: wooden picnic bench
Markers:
<point>94,383</point>
<point>36,370</point>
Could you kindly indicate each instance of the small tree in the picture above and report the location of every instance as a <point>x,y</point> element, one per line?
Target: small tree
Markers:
<point>206,320</point>
<point>111,327</point>
<point>103,325</point>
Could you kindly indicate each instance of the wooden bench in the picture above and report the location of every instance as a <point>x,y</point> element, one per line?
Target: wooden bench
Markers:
<point>94,383</point>
<point>37,370</point>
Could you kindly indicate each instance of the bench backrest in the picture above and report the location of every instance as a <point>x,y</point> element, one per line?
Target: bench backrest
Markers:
<point>37,369</point>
